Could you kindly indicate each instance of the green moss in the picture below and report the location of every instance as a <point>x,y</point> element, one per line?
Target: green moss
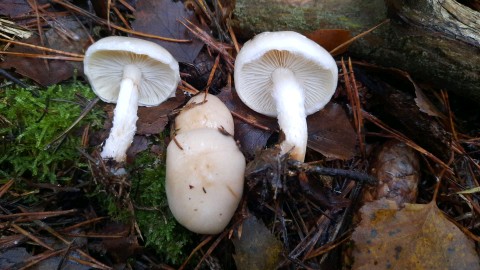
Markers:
<point>29,123</point>
<point>158,226</point>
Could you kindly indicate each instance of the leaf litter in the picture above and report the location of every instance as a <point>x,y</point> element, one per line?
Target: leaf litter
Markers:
<point>419,236</point>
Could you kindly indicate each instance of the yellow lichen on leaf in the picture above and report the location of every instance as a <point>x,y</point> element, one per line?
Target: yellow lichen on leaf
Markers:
<point>418,236</point>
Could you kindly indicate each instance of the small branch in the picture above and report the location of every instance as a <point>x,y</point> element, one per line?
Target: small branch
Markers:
<point>358,176</point>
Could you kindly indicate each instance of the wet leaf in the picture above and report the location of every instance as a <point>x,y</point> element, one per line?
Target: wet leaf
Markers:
<point>12,256</point>
<point>331,134</point>
<point>257,247</point>
<point>52,71</point>
<point>417,237</point>
<point>139,144</point>
<point>13,8</point>
<point>161,17</point>
<point>37,69</point>
<point>152,120</point>
<point>330,38</point>
<point>251,137</point>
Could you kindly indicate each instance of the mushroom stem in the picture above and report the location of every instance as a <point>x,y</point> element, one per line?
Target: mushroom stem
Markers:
<point>289,98</point>
<point>124,116</point>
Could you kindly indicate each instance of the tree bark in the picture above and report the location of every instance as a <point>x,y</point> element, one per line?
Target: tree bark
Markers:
<point>437,41</point>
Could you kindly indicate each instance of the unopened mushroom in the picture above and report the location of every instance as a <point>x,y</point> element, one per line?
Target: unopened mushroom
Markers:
<point>204,111</point>
<point>204,179</point>
<point>130,72</point>
<point>288,76</point>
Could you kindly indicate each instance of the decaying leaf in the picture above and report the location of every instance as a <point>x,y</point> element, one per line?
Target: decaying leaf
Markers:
<point>331,134</point>
<point>397,168</point>
<point>44,73</point>
<point>163,18</point>
<point>418,236</point>
<point>14,8</point>
<point>152,120</point>
<point>257,247</point>
<point>247,130</point>
<point>66,35</point>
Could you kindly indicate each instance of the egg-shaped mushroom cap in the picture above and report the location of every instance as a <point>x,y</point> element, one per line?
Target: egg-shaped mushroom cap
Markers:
<point>204,179</point>
<point>314,68</point>
<point>105,60</point>
<point>204,111</point>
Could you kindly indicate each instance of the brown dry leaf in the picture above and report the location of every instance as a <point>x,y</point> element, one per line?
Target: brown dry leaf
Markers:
<point>152,120</point>
<point>330,38</point>
<point>67,34</point>
<point>44,73</point>
<point>162,18</point>
<point>331,134</point>
<point>418,236</point>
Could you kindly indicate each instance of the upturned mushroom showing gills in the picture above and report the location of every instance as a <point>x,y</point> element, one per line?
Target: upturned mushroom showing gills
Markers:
<point>204,110</point>
<point>129,72</point>
<point>288,76</point>
<point>204,179</point>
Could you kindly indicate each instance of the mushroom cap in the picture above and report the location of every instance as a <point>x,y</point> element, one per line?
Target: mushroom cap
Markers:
<point>204,181</point>
<point>105,60</point>
<point>314,69</point>
<point>210,114</point>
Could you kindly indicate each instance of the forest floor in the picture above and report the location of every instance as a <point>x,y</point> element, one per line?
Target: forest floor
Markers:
<point>390,176</point>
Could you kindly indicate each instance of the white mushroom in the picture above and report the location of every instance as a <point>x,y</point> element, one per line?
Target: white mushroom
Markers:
<point>204,179</point>
<point>204,111</point>
<point>130,72</point>
<point>288,76</point>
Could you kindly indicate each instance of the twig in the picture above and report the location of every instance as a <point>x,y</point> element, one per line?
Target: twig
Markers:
<point>39,215</point>
<point>250,122</point>
<point>403,138</point>
<point>6,187</point>
<point>358,176</point>
<point>84,112</point>
<point>210,41</point>
<point>13,79</point>
<point>41,48</point>
<point>212,73</point>
<point>348,42</point>
<point>357,109</point>
<point>43,56</point>
<point>199,246</point>
<point>31,236</point>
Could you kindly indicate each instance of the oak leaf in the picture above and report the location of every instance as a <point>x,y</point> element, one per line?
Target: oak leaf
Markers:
<point>418,236</point>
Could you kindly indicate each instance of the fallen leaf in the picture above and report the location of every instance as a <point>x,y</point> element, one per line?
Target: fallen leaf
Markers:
<point>68,35</point>
<point>50,72</point>
<point>257,247</point>
<point>418,236</point>
<point>162,18</point>
<point>37,69</point>
<point>330,38</point>
<point>14,8</point>
<point>397,168</point>
<point>331,133</point>
<point>12,256</point>
<point>251,137</point>
<point>152,120</point>
<point>139,144</point>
